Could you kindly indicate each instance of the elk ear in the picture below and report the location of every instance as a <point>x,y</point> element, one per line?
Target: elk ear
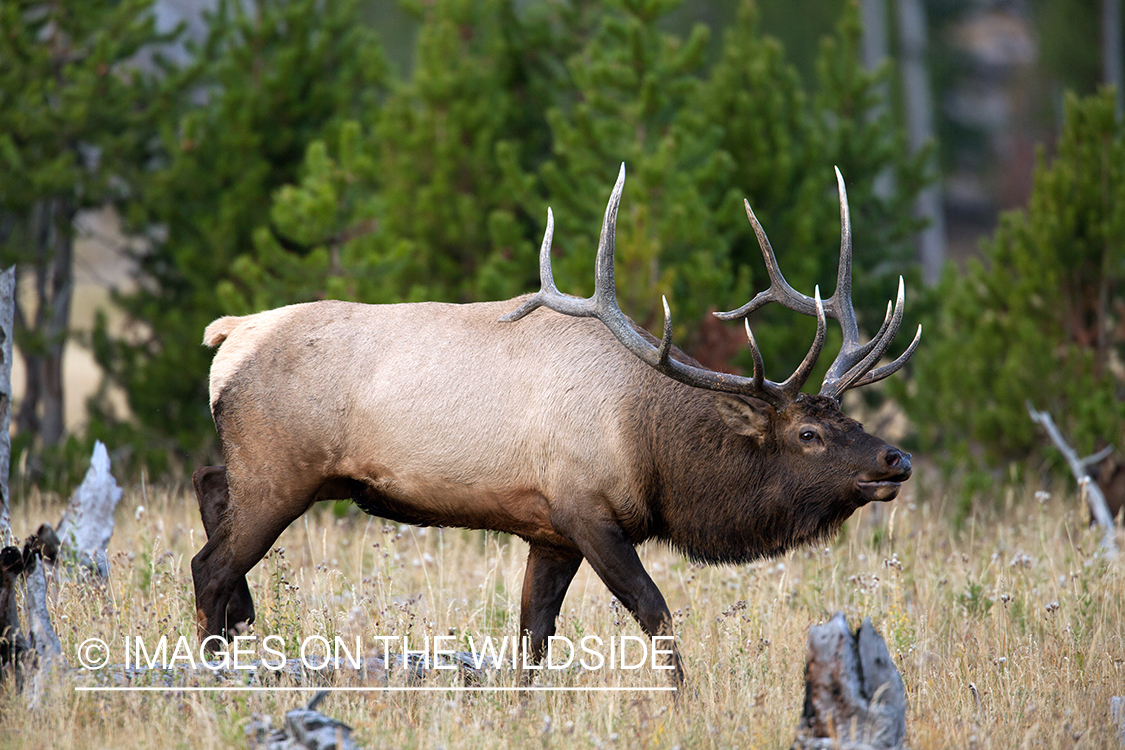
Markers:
<point>750,417</point>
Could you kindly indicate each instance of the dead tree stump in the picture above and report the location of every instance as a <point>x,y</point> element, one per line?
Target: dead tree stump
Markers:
<point>305,729</point>
<point>854,696</point>
<point>87,524</point>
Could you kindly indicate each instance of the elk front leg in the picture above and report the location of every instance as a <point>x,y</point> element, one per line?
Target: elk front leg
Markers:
<point>548,575</point>
<point>607,548</point>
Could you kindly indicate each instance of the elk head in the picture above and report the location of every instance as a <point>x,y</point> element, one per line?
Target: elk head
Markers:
<point>803,426</point>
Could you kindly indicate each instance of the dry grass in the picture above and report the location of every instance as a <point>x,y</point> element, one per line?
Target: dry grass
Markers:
<point>1009,632</point>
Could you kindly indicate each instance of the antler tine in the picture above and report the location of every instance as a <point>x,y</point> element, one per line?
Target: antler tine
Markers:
<point>795,382</point>
<point>887,370</point>
<point>780,291</point>
<point>605,289</point>
<point>834,385</point>
<point>759,374</point>
<point>841,300</point>
<point>548,295</point>
<point>666,337</point>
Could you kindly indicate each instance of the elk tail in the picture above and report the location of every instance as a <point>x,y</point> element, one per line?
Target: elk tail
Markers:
<point>217,332</point>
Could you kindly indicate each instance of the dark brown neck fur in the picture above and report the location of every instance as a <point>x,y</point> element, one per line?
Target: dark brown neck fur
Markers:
<point>726,499</point>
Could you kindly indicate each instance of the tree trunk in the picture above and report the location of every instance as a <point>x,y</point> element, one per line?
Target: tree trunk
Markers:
<point>873,14</point>
<point>920,127</point>
<point>7,320</point>
<point>43,340</point>
<point>1112,61</point>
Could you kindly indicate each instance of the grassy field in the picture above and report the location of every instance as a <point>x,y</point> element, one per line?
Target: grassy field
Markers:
<point>1009,632</point>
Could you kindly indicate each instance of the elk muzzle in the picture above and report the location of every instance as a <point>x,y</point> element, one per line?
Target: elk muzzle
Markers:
<point>893,469</point>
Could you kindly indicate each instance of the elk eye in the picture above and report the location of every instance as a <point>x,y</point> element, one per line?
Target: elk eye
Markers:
<point>808,435</point>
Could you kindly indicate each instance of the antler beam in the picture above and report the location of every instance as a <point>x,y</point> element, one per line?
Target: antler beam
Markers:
<point>603,306</point>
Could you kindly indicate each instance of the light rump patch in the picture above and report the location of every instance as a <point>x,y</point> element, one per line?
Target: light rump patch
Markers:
<point>238,339</point>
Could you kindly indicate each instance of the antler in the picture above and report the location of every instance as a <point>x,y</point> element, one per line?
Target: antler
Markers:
<point>852,366</point>
<point>603,306</point>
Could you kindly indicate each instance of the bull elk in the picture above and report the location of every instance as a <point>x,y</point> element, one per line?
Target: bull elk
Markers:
<point>573,429</point>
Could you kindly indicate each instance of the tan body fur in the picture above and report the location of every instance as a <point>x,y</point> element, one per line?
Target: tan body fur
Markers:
<point>546,428</point>
<point>401,409</point>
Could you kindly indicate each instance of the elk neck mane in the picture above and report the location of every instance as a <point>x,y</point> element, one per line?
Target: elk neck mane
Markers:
<point>720,497</point>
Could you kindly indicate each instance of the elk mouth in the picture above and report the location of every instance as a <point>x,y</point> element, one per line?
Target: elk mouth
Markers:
<point>881,490</point>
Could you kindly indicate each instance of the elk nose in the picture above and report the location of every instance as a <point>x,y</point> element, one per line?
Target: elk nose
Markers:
<point>897,461</point>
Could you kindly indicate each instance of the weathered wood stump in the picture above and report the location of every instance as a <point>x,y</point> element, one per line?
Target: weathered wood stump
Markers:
<point>305,729</point>
<point>854,696</point>
<point>84,533</point>
<point>87,524</point>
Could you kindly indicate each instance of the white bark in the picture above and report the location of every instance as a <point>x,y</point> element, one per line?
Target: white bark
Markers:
<point>87,525</point>
<point>1093,494</point>
<point>918,97</point>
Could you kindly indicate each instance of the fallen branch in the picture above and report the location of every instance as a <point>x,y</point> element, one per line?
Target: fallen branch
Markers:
<point>1080,468</point>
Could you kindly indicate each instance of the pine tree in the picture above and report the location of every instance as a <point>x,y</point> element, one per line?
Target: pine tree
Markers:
<point>76,112</point>
<point>632,94</point>
<point>271,77</point>
<point>1040,319</point>
<point>426,204</point>
<point>783,143</point>
<point>451,147</point>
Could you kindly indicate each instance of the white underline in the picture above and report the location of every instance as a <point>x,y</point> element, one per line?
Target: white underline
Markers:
<point>403,689</point>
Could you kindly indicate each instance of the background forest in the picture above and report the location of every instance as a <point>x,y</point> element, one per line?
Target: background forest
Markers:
<point>264,153</point>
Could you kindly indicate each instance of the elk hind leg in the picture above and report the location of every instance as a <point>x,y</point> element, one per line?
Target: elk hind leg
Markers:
<point>213,495</point>
<point>253,521</point>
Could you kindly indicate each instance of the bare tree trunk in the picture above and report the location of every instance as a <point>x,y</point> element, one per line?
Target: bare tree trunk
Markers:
<point>7,320</point>
<point>920,126</point>
<point>57,325</point>
<point>43,340</point>
<point>874,18</point>
<point>1112,61</point>
<point>873,15</point>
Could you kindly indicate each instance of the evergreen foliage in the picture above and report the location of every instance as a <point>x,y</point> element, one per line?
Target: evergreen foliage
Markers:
<point>633,92</point>
<point>76,113</point>
<point>783,141</point>
<point>436,186</point>
<point>268,80</point>
<point>1040,319</point>
<point>426,205</point>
